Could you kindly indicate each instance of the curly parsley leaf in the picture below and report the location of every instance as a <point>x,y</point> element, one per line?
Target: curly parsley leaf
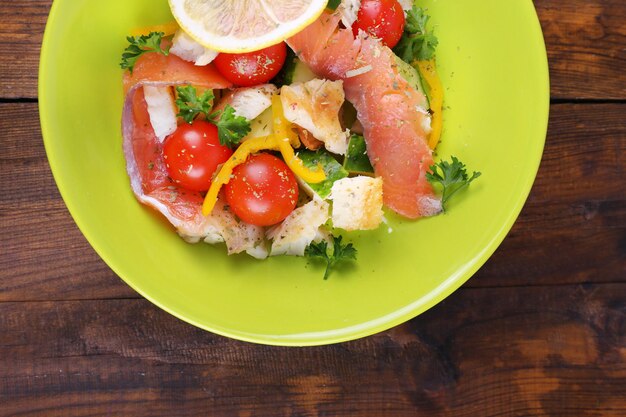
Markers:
<point>340,253</point>
<point>417,43</point>
<point>451,176</point>
<point>140,45</point>
<point>190,105</point>
<point>230,127</point>
<point>333,4</point>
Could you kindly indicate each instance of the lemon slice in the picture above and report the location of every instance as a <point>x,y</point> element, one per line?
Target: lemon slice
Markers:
<point>237,26</point>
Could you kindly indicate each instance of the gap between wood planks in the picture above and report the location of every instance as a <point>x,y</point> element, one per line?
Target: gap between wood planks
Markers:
<point>18,100</point>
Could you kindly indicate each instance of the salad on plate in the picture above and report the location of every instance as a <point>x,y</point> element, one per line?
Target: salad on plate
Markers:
<point>286,127</point>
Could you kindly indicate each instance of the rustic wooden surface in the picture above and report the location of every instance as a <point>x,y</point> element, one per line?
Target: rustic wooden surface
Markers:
<point>540,330</point>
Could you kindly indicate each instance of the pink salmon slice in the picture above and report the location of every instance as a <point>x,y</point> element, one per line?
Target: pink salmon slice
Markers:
<point>387,107</point>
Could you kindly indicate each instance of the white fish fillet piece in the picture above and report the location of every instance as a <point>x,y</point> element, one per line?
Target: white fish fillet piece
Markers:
<point>162,110</point>
<point>249,102</point>
<point>314,105</point>
<point>222,226</point>
<point>184,47</point>
<point>348,9</point>
<point>299,229</point>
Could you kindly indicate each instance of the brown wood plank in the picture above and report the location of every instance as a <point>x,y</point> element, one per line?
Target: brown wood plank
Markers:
<point>540,330</point>
<point>584,38</point>
<point>585,42</point>
<point>22,24</point>
<point>555,351</point>
<point>44,256</point>
<point>573,225</point>
<point>572,230</point>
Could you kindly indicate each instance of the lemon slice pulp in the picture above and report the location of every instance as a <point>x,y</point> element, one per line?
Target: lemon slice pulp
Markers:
<point>237,26</point>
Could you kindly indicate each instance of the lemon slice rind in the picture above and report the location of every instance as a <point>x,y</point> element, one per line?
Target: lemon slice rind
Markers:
<point>233,44</point>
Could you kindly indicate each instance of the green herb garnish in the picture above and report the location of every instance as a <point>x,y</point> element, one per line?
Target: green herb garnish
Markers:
<point>451,176</point>
<point>332,169</point>
<point>417,43</point>
<point>230,127</point>
<point>340,253</point>
<point>140,45</point>
<point>190,105</point>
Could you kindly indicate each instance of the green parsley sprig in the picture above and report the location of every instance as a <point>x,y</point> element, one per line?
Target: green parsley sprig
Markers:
<point>452,177</point>
<point>230,127</point>
<point>417,42</point>
<point>140,45</point>
<point>190,104</point>
<point>340,253</point>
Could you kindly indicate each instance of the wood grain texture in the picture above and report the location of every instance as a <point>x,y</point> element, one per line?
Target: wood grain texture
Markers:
<point>22,23</point>
<point>44,256</point>
<point>557,351</point>
<point>585,42</point>
<point>540,330</point>
<point>573,225</point>
<point>577,204</point>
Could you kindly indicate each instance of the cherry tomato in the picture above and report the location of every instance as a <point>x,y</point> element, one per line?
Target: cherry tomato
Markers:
<point>383,19</point>
<point>192,154</point>
<point>252,68</point>
<point>262,191</point>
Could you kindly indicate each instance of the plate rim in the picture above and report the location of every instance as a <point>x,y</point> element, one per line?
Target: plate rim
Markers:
<point>360,330</point>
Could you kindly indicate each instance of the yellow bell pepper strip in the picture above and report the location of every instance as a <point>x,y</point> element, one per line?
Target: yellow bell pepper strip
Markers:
<point>428,72</point>
<point>286,138</point>
<point>167,28</point>
<point>281,140</point>
<point>297,166</point>
<point>282,127</point>
<point>248,147</point>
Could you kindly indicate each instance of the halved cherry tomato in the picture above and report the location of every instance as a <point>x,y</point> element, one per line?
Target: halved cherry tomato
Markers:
<point>252,68</point>
<point>262,191</point>
<point>192,154</point>
<point>383,19</point>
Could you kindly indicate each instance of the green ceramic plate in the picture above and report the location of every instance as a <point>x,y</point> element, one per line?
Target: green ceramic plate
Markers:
<point>493,64</point>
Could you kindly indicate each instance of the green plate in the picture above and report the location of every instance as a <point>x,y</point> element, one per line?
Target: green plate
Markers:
<point>496,82</point>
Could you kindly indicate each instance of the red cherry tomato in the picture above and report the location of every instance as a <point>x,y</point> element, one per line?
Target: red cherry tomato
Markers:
<point>252,68</point>
<point>192,154</point>
<point>383,19</point>
<point>262,191</point>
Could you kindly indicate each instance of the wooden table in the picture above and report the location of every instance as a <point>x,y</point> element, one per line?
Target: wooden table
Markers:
<point>540,330</point>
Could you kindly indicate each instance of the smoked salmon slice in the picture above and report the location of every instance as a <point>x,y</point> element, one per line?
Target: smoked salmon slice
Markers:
<point>329,52</point>
<point>170,69</point>
<point>146,167</point>
<point>394,124</point>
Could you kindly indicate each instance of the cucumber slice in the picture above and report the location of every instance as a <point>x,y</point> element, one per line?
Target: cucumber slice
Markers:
<point>348,114</point>
<point>286,72</point>
<point>301,73</point>
<point>333,4</point>
<point>412,76</point>
<point>357,161</point>
<point>293,71</point>
<point>262,125</point>
<point>333,170</point>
